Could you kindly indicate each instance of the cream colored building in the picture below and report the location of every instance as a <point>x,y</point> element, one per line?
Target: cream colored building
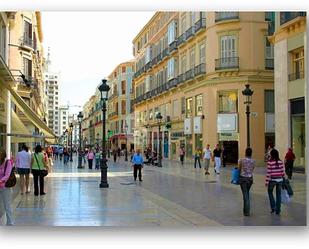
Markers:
<point>192,67</point>
<point>290,44</point>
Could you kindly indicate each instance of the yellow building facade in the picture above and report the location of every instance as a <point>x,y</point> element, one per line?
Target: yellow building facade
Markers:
<point>290,44</point>
<point>192,68</point>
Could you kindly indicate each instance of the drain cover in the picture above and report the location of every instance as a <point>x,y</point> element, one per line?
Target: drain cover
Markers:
<point>127,183</point>
<point>211,182</point>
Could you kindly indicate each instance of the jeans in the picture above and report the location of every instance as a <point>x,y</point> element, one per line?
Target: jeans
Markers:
<point>90,163</point>
<point>36,179</point>
<point>245,185</point>
<point>139,169</point>
<point>218,164</point>
<point>5,205</point>
<point>197,159</point>
<point>182,158</point>
<point>289,168</point>
<point>275,204</point>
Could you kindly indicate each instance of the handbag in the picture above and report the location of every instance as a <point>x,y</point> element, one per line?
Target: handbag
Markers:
<point>235,176</point>
<point>286,185</point>
<point>11,182</point>
<point>43,172</point>
<point>285,198</point>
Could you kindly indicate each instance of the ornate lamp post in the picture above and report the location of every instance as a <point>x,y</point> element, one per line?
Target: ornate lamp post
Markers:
<point>104,88</point>
<point>71,142</point>
<point>67,137</point>
<point>159,118</point>
<point>80,118</point>
<point>248,100</point>
<point>126,149</point>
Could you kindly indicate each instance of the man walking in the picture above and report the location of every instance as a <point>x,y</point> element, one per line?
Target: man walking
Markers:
<point>217,158</point>
<point>137,161</point>
<point>197,157</point>
<point>181,154</point>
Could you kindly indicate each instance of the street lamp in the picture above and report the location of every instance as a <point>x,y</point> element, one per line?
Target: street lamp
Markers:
<point>71,152</point>
<point>104,88</point>
<point>248,100</point>
<point>159,118</point>
<point>126,149</point>
<point>98,139</point>
<point>80,118</point>
<point>67,137</point>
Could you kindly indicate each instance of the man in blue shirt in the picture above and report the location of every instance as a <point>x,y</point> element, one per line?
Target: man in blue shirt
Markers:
<point>137,161</point>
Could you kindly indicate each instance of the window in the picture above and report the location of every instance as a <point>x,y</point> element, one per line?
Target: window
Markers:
<point>150,114</point>
<point>27,67</point>
<point>183,105</point>
<point>199,105</point>
<point>176,108</point>
<point>189,106</point>
<point>123,69</point>
<point>298,61</point>
<point>183,64</point>
<point>202,53</point>
<point>269,53</point>
<point>183,24</point>
<point>192,58</point>
<point>171,35</point>
<point>171,70</point>
<point>123,107</point>
<point>64,122</point>
<point>228,46</point>
<point>123,87</point>
<point>228,102</point>
<point>148,54</point>
<point>269,101</point>
<point>27,30</point>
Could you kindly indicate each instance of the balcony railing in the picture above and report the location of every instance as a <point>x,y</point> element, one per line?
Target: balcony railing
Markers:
<point>227,63</point>
<point>173,46</point>
<point>200,69</point>
<point>148,66</point>
<point>26,41</point>
<point>200,24</point>
<point>190,32</point>
<point>269,63</point>
<point>181,39</point>
<point>165,53</point>
<point>288,16</point>
<point>159,57</point>
<point>154,61</point>
<point>222,16</point>
<point>296,76</point>
<point>190,74</point>
<point>173,82</point>
<point>181,78</point>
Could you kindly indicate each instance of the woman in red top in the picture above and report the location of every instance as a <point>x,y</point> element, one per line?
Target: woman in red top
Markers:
<point>289,162</point>
<point>274,178</point>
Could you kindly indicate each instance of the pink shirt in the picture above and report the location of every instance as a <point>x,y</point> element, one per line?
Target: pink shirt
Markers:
<point>5,177</point>
<point>90,155</point>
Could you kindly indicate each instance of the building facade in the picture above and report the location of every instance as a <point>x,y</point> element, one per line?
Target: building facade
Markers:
<point>290,44</point>
<point>192,68</point>
<point>120,111</point>
<point>63,119</point>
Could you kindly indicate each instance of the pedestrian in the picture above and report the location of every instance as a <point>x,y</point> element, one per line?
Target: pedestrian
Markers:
<point>197,157</point>
<point>224,156</point>
<point>50,162</point>
<point>274,178</point>
<point>289,163</point>
<point>5,193</point>
<point>137,161</point>
<point>118,152</point>
<point>207,156</point>
<point>90,157</point>
<point>38,164</point>
<point>182,154</point>
<point>115,154</point>
<point>246,166</point>
<point>65,152</point>
<point>217,158</point>
<point>23,164</point>
<point>97,159</point>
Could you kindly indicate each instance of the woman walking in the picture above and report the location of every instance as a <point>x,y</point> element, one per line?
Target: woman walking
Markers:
<point>137,161</point>
<point>5,193</point>
<point>207,157</point>
<point>182,154</point>
<point>274,178</point>
<point>23,164</point>
<point>90,157</point>
<point>289,163</point>
<point>246,166</point>
<point>38,164</point>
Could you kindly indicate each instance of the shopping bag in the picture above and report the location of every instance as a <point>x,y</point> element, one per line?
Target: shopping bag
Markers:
<point>235,176</point>
<point>286,185</point>
<point>285,198</point>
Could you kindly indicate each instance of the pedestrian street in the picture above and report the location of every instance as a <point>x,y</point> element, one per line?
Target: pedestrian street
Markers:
<point>174,195</point>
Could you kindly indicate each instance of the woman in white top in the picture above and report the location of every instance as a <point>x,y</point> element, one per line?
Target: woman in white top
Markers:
<point>207,157</point>
<point>23,161</point>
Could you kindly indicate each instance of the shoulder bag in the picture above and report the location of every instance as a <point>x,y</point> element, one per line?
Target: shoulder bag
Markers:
<point>43,172</point>
<point>11,182</point>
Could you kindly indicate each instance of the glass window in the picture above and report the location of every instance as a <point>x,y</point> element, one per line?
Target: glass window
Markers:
<point>202,53</point>
<point>199,105</point>
<point>150,114</point>
<point>123,87</point>
<point>183,24</point>
<point>189,107</point>
<point>228,101</point>
<point>171,35</point>
<point>183,64</point>
<point>171,68</point>
<point>228,46</point>
<point>192,58</point>
<point>269,101</point>
<point>176,108</point>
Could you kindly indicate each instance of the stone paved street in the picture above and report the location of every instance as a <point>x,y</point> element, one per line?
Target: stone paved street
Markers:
<point>174,195</point>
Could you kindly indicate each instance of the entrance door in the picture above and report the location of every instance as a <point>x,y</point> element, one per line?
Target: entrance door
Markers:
<point>232,151</point>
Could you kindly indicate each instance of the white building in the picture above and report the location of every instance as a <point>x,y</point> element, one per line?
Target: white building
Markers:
<point>63,119</point>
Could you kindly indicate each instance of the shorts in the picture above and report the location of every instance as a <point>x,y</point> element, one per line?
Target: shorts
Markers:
<point>22,171</point>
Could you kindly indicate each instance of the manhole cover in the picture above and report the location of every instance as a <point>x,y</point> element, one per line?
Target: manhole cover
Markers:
<point>211,182</point>
<point>127,183</point>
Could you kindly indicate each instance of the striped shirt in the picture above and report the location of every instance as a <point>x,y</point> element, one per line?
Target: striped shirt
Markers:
<point>275,171</point>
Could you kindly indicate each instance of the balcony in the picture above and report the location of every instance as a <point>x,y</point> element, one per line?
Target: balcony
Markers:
<point>154,61</point>
<point>165,53</point>
<point>173,82</point>
<point>26,41</point>
<point>288,16</point>
<point>200,25</point>
<point>159,57</point>
<point>148,66</point>
<point>223,16</point>
<point>113,114</point>
<point>190,33</point>
<point>181,78</point>
<point>200,69</point>
<point>227,63</point>
<point>190,74</point>
<point>296,76</point>
<point>269,64</point>
<point>181,39</point>
<point>173,46</point>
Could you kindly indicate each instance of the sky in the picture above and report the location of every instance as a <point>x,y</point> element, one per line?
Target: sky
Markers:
<point>85,47</point>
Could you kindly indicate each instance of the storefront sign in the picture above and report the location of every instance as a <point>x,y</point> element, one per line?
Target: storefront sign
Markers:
<point>228,136</point>
<point>188,129</point>
<point>197,124</point>
<point>177,135</point>
<point>227,123</point>
<point>269,122</point>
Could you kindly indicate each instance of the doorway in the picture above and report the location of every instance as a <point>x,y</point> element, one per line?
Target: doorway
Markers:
<point>232,151</point>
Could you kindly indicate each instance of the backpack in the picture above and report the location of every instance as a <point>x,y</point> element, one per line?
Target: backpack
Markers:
<point>11,182</point>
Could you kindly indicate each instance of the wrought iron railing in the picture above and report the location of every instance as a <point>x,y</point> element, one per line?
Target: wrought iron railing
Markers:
<point>288,16</point>
<point>222,16</point>
<point>26,41</point>
<point>227,63</point>
<point>200,24</point>
<point>200,69</point>
<point>173,46</point>
<point>190,74</point>
<point>181,39</point>
<point>190,32</point>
